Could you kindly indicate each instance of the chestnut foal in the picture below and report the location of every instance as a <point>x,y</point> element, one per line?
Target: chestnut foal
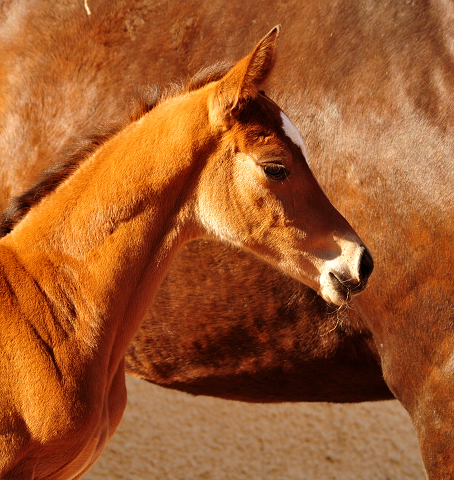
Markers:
<point>78,272</point>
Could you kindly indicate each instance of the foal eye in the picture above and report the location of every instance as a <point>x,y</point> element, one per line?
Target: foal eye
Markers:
<point>275,171</point>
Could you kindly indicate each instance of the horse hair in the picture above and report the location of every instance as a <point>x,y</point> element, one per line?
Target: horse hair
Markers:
<point>143,101</point>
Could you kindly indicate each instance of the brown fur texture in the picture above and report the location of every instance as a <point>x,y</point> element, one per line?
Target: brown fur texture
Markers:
<point>369,85</point>
<point>80,268</point>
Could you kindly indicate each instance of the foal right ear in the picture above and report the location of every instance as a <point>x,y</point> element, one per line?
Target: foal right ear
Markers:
<point>241,83</point>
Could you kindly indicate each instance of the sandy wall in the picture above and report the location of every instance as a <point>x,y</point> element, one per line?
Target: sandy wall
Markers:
<point>171,435</point>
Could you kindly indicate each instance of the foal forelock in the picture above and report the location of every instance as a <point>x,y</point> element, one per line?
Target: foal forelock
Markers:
<point>144,100</point>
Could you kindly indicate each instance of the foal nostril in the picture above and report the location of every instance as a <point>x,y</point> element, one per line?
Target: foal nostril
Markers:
<point>366,265</point>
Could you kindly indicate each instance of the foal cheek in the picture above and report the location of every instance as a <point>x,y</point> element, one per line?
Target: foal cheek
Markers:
<point>287,202</point>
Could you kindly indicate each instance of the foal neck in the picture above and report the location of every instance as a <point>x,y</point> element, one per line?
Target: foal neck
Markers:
<point>109,232</point>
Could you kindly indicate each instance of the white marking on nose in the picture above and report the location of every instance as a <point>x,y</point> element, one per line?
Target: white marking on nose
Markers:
<point>291,131</point>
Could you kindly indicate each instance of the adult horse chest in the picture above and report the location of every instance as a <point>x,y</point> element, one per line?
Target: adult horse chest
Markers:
<point>79,270</point>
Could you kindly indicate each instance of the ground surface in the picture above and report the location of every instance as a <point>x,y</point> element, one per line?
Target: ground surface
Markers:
<point>167,435</point>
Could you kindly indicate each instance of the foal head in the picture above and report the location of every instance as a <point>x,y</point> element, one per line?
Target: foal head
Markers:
<point>258,192</point>
<point>253,188</point>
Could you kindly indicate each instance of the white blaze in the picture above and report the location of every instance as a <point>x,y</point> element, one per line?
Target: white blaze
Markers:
<point>292,133</point>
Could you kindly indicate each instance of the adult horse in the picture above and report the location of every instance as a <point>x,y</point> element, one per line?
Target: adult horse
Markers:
<point>370,84</point>
<point>220,160</point>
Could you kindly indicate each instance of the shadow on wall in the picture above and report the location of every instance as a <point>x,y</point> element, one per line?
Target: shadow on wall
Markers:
<point>171,435</point>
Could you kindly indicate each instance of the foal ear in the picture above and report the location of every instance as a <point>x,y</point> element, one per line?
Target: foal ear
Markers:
<point>241,82</point>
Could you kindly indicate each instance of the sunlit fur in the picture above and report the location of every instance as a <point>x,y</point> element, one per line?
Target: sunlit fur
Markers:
<point>370,87</point>
<point>80,269</point>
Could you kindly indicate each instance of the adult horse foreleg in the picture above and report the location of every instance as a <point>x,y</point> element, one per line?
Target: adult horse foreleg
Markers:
<point>432,413</point>
<point>433,419</point>
<point>420,374</point>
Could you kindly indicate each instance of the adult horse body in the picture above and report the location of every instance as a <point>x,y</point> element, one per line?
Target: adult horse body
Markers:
<point>79,269</point>
<point>370,84</point>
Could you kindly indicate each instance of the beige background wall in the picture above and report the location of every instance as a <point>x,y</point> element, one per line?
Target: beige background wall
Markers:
<point>168,435</point>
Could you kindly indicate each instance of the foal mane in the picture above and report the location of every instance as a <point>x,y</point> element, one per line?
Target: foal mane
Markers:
<point>142,102</point>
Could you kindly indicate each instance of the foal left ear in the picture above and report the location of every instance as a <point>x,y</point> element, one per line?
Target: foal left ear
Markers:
<point>241,82</point>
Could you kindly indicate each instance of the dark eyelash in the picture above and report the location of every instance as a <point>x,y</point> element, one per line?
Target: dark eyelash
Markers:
<point>275,171</point>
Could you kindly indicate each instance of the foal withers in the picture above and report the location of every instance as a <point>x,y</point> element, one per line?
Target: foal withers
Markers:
<point>79,271</point>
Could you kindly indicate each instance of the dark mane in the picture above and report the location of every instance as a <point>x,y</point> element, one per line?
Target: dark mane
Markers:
<point>209,74</point>
<point>145,99</point>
